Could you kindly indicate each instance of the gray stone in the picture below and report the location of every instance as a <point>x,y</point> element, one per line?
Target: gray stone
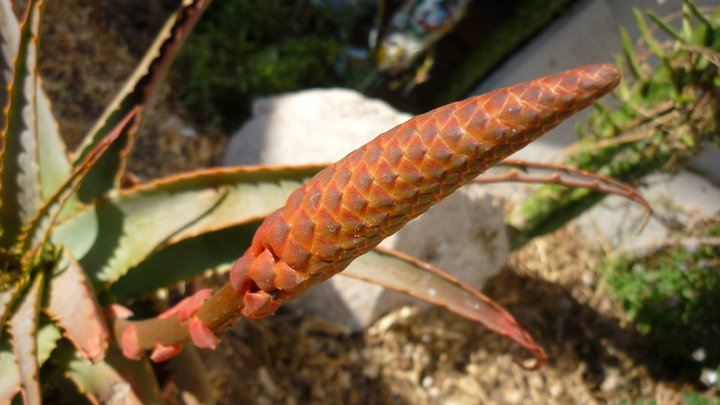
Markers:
<point>463,235</point>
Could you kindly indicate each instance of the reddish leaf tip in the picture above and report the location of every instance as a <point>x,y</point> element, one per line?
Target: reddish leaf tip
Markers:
<point>163,353</point>
<point>117,311</point>
<point>129,343</point>
<point>540,358</point>
<point>201,335</point>
<point>239,274</point>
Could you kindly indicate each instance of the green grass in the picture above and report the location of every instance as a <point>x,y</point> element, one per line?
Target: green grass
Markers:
<point>242,50</point>
<point>673,298</point>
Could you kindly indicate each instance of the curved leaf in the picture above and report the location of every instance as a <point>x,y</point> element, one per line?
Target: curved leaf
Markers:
<point>114,380</point>
<point>118,233</point>
<point>47,338</point>
<point>10,381</point>
<point>136,92</point>
<point>562,175</point>
<point>186,259</point>
<point>38,230</point>
<point>6,299</point>
<point>20,176</point>
<point>23,325</point>
<point>73,305</point>
<point>9,43</point>
<point>54,163</point>
<point>397,271</point>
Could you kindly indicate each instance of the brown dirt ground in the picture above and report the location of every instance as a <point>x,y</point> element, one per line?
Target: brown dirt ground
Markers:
<point>88,50</point>
<point>437,357</point>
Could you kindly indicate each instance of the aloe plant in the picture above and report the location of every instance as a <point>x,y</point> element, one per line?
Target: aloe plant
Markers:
<point>74,241</point>
<point>666,112</point>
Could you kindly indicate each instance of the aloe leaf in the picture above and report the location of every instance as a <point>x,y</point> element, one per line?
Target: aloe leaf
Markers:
<point>73,305</point>
<point>397,271</point>
<point>9,43</point>
<point>647,36</point>
<point>563,175</point>
<point>114,380</point>
<point>136,92</point>
<point>686,24</point>
<point>47,338</point>
<point>188,258</point>
<point>54,164</point>
<point>118,233</point>
<point>10,381</point>
<point>6,299</point>
<point>20,176</point>
<point>37,232</point>
<point>24,324</point>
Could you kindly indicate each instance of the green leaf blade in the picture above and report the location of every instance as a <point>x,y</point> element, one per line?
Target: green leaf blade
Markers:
<point>186,259</point>
<point>9,43</point>
<point>54,164</point>
<point>20,175</point>
<point>116,379</point>
<point>10,381</point>
<point>136,92</point>
<point>38,229</point>
<point>6,299</point>
<point>139,221</point>
<point>629,52</point>
<point>399,272</point>
<point>47,338</point>
<point>24,325</point>
<point>666,27</point>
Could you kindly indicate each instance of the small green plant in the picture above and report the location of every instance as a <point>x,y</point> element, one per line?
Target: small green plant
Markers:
<point>672,297</point>
<point>664,117</point>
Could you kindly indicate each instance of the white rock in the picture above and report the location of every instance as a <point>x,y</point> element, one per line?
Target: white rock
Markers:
<point>463,235</point>
<point>311,126</point>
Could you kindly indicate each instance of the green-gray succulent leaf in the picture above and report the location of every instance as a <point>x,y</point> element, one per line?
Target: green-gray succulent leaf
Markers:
<point>7,297</point>
<point>120,232</point>
<point>115,379</point>
<point>136,92</point>
<point>38,230</point>
<point>186,259</point>
<point>20,171</point>
<point>73,305</point>
<point>47,338</point>
<point>54,163</point>
<point>10,383</point>
<point>24,326</point>
<point>9,43</point>
<point>400,272</point>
